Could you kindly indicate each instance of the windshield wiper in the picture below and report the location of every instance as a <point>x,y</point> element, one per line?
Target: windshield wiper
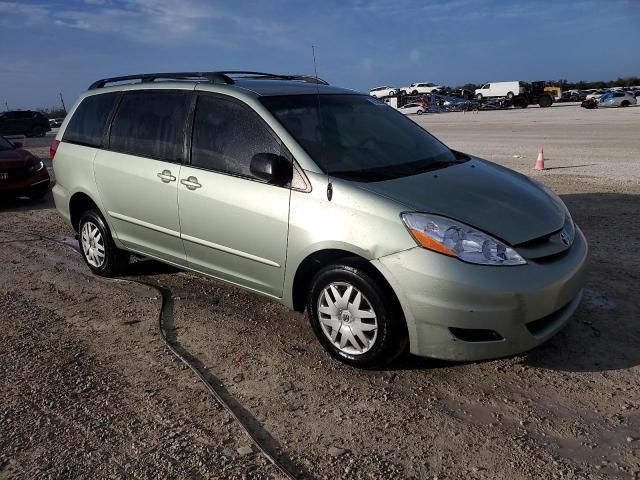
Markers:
<point>437,165</point>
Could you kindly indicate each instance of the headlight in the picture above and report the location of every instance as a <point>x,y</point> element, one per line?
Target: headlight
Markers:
<point>456,239</point>
<point>35,168</point>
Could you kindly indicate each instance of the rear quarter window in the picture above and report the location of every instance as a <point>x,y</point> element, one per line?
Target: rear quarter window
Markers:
<point>88,123</point>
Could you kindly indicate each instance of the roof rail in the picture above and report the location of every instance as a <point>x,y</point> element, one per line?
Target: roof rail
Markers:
<point>213,77</point>
<point>274,76</point>
<point>224,77</point>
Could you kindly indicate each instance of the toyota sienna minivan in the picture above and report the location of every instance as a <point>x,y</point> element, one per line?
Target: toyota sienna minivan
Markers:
<point>326,200</point>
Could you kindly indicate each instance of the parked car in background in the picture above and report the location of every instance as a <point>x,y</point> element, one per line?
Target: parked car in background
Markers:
<point>21,174</point>
<point>501,89</point>
<point>573,96</point>
<point>617,99</point>
<point>24,122</point>
<point>421,87</point>
<point>381,92</point>
<point>412,108</point>
<point>596,94</point>
<point>56,122</point>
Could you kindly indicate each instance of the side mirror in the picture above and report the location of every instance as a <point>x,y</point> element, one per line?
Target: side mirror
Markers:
<point>17,144</point>
<point>272,168</point>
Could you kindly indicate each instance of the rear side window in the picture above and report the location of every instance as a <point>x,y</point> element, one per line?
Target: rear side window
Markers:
<point>151,124</point>
<point>87,125</point>
<point>227,134</point>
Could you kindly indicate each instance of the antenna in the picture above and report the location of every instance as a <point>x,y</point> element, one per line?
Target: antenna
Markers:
<point>320,121</point>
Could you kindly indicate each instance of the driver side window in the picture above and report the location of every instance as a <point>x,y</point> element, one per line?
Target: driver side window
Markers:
<point>226,136</point>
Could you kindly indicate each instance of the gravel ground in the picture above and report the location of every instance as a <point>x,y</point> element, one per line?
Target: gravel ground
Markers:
<point>88,389</point>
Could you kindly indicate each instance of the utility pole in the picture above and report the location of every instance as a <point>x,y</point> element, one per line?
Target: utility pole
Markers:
<point>63,106</point>
<point>6,106</point>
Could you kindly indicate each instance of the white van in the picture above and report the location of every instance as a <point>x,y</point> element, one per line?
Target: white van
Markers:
<point>500,89</point>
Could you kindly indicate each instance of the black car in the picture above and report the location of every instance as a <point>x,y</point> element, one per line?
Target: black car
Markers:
<point>24,122</point>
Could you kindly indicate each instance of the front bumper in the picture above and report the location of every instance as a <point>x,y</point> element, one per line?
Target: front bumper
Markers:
<point>38,183</point>
<point>524,305</point>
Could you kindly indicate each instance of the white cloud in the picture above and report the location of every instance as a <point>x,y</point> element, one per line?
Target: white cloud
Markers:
<point>160,22</point>
<point>27,15</point>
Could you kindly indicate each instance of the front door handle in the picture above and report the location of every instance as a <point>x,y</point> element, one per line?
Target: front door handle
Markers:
<point>166,176</point>
<point>191,183</point>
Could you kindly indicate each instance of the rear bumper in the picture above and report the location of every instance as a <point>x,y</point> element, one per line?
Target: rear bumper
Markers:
<point>61,201</point>
<point>458,311</point>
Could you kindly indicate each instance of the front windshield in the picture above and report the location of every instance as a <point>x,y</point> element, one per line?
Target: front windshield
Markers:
<point>358,137</point>
<point>5,144</point>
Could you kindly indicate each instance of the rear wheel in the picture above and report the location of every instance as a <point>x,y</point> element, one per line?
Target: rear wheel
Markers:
<point>510,95</point>
<point>355,318</point>
<point>419,112</point>
<point>96,245</point>
<point>625,103</point>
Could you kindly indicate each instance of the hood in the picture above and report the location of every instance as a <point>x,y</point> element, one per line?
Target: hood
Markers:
<point>481,194</point>
<point>16,158</point>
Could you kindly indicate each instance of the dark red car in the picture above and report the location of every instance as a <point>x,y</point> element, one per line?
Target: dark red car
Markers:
<point>21,174</point>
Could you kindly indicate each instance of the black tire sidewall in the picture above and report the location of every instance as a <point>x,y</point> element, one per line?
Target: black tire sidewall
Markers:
<point>112,259</point>
<point>389,340</point>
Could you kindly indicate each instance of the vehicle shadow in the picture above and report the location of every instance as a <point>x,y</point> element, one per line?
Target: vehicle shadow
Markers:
<point>148,267</point>
<point>24,204</point>
<point>604,333</point>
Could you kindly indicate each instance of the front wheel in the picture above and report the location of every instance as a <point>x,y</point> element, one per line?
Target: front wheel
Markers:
<point>355,318</point>
<point>479,97</point>
<point>625,103</point>
<point>96,245</point>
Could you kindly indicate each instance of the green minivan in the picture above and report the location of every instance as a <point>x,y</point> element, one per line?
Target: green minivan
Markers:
<point>323,199</point>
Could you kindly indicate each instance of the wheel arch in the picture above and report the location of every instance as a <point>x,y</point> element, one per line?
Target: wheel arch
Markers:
<point>319,259</point>
<point>79,203</point>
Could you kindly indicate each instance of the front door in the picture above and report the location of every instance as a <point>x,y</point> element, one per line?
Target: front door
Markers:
<point>233,226</point>
<point>138,176</point>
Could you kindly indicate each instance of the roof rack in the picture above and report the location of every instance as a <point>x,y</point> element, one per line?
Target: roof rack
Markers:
<point>212,77</point>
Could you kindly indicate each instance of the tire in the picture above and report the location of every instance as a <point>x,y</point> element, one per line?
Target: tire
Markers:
<point>479,97</point>
<point>545,101</point>
<point>38,131</point>
<point>383,325</point>
<point>625,103</point>
<point>96,245</point>
<point>415,92</point>
<point>510,95</point>
<point>419,112</point>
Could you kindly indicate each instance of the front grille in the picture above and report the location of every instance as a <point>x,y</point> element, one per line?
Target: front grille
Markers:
<point>13,175</point>
<point>549,246</point>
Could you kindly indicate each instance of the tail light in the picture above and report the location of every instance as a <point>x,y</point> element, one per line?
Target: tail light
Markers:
<point>53,148</point>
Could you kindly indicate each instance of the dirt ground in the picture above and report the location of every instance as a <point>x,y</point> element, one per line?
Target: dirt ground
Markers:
<point>88,389</point>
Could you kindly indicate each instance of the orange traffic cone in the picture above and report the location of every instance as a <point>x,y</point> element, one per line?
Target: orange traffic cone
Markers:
<point>540,159</point>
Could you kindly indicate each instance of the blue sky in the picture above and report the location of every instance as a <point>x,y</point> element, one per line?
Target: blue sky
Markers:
<point>48,47</point>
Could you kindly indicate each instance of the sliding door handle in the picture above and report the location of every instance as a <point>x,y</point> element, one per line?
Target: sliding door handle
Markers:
<point>166,176</point>
<point>191,183</point>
